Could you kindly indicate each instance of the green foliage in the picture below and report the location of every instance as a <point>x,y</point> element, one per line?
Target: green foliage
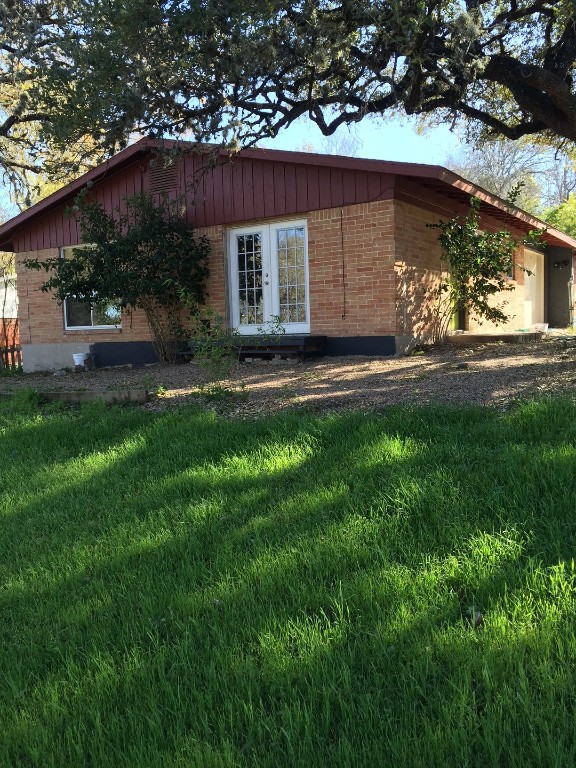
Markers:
<point>476,267</point>
<point>272,330</point>
<point>7,371</point>
<point>131,255</point>
<point>133,258</point>
<point>244,72</point>
<point>563,217</point>
<point>215,347</point>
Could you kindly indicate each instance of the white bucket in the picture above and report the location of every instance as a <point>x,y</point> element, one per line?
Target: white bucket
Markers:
<point>80,358</point>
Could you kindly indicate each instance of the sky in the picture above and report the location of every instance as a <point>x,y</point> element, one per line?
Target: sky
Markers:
<point>394,139</point>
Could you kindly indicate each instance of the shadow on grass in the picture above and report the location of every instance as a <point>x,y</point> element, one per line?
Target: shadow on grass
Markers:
<point>291,592</point>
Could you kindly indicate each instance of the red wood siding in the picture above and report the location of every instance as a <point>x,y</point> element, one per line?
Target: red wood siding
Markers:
<point>244,189</point>
<point>56,228</point>
<point>247,189</point>
<point>256,184</point>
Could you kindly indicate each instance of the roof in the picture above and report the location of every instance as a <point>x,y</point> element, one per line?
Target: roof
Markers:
<point>435,178</point>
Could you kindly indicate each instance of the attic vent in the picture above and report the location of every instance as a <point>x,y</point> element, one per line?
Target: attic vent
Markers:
<point>163,177</point>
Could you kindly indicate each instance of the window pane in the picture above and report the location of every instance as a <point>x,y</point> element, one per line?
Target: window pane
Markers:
<point>291,274</point>
<point>78,313</point>
<point>81,314</point>
<point>250,278</point>
<point>105,313</point>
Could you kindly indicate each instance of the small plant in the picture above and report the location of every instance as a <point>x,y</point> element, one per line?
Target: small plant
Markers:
<point>215,345</point>
<point>6,372</point>
<point>24,401</point>
<point>475,268</point>
<point>271,330</point>
<point>148,382</point>
<point>216,392</point>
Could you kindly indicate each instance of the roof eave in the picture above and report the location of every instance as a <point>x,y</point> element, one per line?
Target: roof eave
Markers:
<point>415,170</point>
<point>69,191</point>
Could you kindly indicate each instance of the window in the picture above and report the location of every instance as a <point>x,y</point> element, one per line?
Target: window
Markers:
<point>511,274</point>
<point>80,313</point>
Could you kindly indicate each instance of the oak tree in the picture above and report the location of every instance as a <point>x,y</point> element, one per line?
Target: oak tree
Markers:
<point>240,71</point>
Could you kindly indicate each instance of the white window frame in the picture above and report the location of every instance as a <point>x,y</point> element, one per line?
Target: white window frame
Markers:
<point>67,327</point>
<point>93,327</point>
<point>270,287</point>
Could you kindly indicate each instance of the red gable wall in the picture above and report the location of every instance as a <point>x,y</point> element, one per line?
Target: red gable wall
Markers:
<point>242,190</point>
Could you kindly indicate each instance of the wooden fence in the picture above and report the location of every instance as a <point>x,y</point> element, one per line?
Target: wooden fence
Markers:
<point>10,358</point>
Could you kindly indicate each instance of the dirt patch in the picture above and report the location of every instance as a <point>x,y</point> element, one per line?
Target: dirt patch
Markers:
<point>490,374</point>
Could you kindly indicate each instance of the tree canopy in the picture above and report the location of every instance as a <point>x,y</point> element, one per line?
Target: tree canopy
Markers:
<point>544,177</point>
<point>241,71</point>
<point>563,216</point>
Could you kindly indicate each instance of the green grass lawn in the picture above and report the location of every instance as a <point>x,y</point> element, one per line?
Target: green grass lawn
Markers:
<point>181,589</point>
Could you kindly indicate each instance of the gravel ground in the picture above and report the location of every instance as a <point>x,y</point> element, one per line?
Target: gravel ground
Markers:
<point>489,374</point>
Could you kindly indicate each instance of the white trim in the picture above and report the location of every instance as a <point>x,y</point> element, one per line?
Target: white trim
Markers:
<point>112,327</point>
<point>270,288</point>
<point>256,229</point>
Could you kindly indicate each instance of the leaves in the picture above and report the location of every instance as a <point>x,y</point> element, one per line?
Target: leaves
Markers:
<point>133,258</point>
<point>478,264</point>
<point>241,72</point>
<point>563,216</point>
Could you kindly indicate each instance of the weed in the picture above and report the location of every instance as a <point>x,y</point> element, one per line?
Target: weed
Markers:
<point>6,372</point>
<point>215,345</point>
<point>148,382</point>
<point>216,392</point>
<point>272,330</point>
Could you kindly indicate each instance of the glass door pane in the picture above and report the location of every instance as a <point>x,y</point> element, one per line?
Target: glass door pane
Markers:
<point>250,295</point>
<point>290,246</point>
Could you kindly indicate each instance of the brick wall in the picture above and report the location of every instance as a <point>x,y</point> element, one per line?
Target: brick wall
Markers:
<point>351,257</point>
<point>373,270</point>
<point>510,302</point>
<point>216,296</point>
<point>417,270</point>
<point>42,319</point>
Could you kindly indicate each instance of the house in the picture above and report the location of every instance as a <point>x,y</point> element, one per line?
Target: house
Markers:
<point>337,247</point>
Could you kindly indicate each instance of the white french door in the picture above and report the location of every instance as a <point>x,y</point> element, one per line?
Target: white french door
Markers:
<point>269,277</point>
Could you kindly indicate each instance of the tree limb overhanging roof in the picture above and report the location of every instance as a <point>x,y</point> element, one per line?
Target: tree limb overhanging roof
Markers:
<point>434,178</point>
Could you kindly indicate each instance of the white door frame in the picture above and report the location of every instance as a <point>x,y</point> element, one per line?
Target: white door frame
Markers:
<point>270,276</point>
